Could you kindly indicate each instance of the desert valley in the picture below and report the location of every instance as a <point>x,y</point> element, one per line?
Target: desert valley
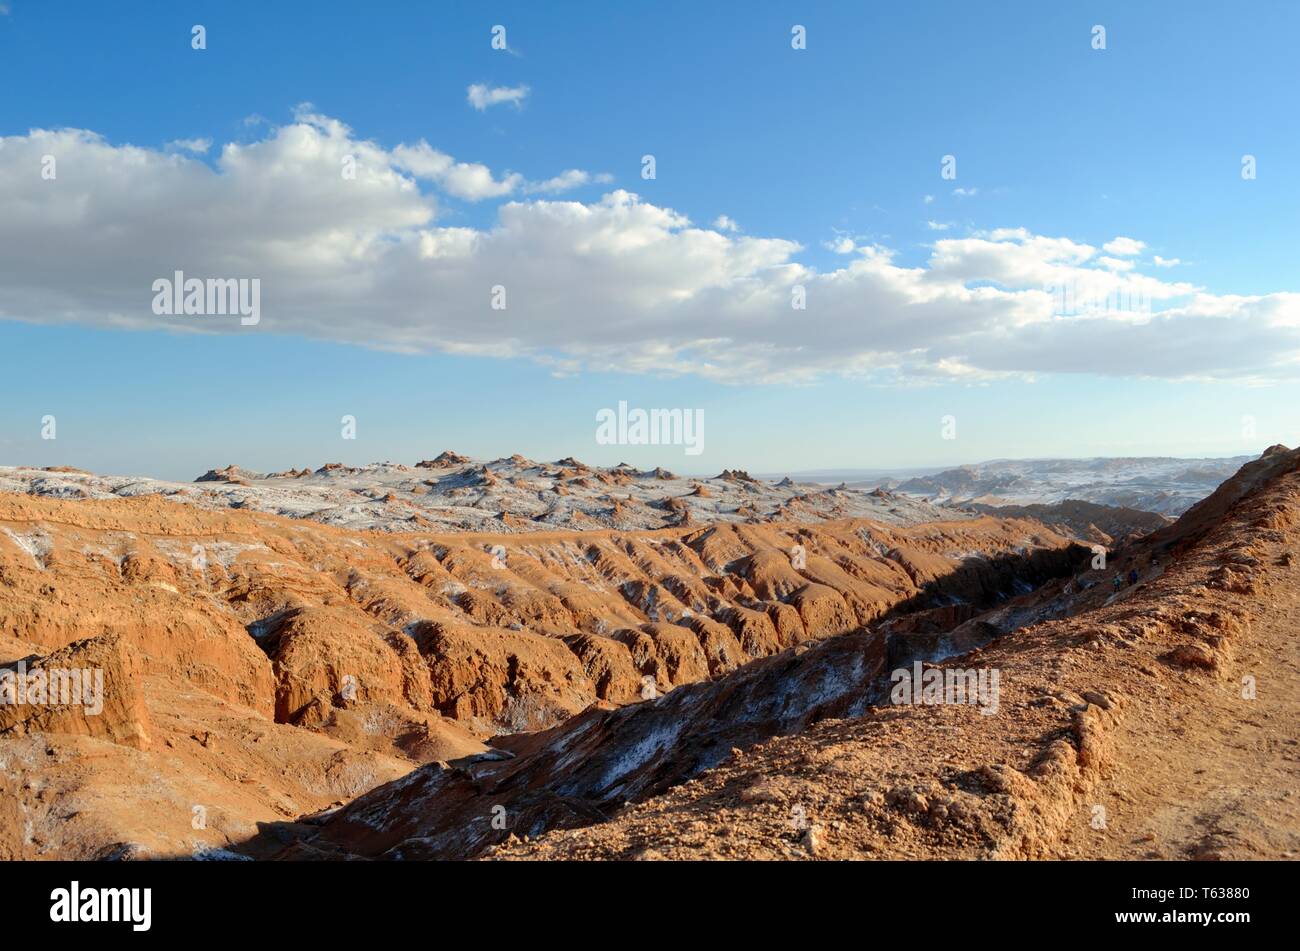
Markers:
<point>517,659</point>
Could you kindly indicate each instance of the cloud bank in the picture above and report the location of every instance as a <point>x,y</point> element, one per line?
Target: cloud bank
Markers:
<point>613,284</point>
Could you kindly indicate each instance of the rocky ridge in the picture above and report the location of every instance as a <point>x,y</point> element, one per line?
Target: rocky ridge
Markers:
<point>453,493</point>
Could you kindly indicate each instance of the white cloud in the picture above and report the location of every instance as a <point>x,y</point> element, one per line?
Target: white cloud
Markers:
<point>965,192</point>
<point>929,199</point>
<point>723,223</point>
<point>472,181</point>
<point>1126,247</point>
<point>840,245</point>
<point>197,146</point>
<point>614,284</point>
<point>1115,264</point>
<point>1165,262</point>
<point>938,225</point>
<point>481,96</point>
<point>467,180</point>
<point>566,181</point>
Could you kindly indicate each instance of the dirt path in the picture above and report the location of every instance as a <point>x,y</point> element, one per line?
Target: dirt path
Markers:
<point>1204,772</point>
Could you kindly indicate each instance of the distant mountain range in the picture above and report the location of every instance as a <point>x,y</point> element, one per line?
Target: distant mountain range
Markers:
<point>1165,485</point>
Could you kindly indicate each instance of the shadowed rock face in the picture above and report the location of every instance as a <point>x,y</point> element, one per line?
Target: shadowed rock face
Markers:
<point>585,770</point>
<point>1100,524</point>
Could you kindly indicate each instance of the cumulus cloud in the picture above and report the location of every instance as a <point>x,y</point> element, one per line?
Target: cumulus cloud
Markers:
<point>723,223</point>
<point>482,96</point>
<point>1125,247</point>
<point>197,146</point>
<point>472,181</point>
<point>1165,262</point>
<point>1115,264</point>
<point>467,180</point>
<point>566,181</point>
<point>613,284</point>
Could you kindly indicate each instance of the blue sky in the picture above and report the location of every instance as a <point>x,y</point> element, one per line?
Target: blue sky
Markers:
<point>809,147</point>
